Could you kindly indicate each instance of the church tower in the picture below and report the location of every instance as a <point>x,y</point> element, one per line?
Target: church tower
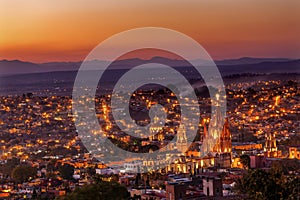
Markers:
<point>270,149</point>
<point>181,142</point>
<point>156,130</point>
<point>224,145</point>
<point>218,133</point>
<point>217,139</point>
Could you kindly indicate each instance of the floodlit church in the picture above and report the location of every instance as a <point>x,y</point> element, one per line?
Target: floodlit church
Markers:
<point>270,148</point>
<point>216,144</point>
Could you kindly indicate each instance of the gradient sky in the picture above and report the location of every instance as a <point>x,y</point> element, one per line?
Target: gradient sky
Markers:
<point>67,30</point>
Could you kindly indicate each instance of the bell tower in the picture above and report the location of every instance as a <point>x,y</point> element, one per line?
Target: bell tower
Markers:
<point>217,138</point>
<point>270,149</point>
<point>181,142</point>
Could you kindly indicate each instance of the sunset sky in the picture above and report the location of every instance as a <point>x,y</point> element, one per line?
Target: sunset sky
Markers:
<point>67,30</point>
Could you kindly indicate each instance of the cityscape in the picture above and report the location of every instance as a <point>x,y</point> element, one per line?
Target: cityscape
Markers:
<point>149,100</point>
<point>42,155</point>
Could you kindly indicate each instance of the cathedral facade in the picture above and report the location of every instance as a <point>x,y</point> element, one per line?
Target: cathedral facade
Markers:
<point>216,147</point>
<point>270,148</point>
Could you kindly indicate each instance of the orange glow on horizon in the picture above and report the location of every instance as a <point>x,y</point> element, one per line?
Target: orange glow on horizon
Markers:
<point>60,30</point>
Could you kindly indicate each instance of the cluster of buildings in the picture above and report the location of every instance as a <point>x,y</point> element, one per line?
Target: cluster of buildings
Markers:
<point>40,131</point>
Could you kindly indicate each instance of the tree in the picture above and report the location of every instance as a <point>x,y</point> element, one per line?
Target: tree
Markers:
<point>262,185</point>
<point>34,194</point>
<point>292,188</point>
<point>245,160</point>
<point>51,165</point>
<point>91,171</point>
<point>7,168</point>
<point>22,173</point>
<point>286,165</point>
<point>294,140</point>
<point>136,197</point>
<point>66,171</point>
<point>102,190</point>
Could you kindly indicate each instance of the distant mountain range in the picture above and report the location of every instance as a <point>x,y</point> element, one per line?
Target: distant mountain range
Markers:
<point>249,60</point>
<point>17,77</point>
<point>229,66</point>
